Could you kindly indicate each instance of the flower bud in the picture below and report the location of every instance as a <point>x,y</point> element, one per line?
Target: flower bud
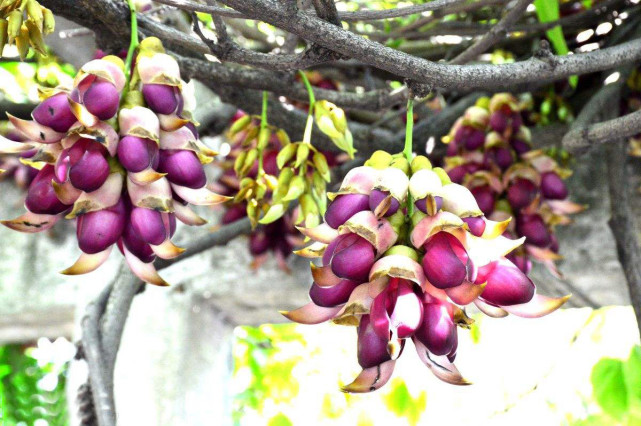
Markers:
<point>521,193</point>
<point>445,262</point>
<point>101,99</point>
<point>160,98</point>
<point>90,171</point>
<point>136,245</point>
<point>136,154</point>
<point>351,257</point>
<point>334,295</point>
<point>345,206</point>
<point>182,168</point>
<point>553,187</point>
<point>476,225</point>
<point>506,284</point>
<point>371,348</point>
<point>533,228</point>
<point>485,198</point>
<point>100,229</point>
<point>54,112</point>
<point>41,197</point>
<point>153,227</point>
<point>437,331</point>
<point>469,137</point>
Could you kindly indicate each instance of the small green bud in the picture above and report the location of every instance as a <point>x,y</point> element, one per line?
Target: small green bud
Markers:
<point>379,160</point>
<point>296,188</point>
<point>239,124</point>
<point>442,174</point>
<point>286,154</point>
<point>420,162</point>
<point>402,164</point>
<point>403,251</point>
<point>320,163</point>
<point>301,154</point>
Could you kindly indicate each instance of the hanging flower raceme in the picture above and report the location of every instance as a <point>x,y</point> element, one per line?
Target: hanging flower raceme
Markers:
<point>402,251</point>
<point>264,171</point>
<point>489,152</point>
<point>124,172</point>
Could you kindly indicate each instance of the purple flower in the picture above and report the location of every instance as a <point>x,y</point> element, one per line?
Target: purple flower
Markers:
<point>446,262</point>
<point>98,230</point>
<point>55,112</point>
<point>41,197</point>
<point>350,256</point>
<point>344,207</point>
<point>182,167</point>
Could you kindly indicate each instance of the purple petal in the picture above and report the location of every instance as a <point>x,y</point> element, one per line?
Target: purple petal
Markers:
<point>476,225</point>
<point>506,284</point>
<point>484,197</point>
<point>160,98</point>
<point>183,168</point>
<point>371,349</point>
<point>553,187</point>
<point>149,225</point>
<point>353,258</point>
<point>90,172</point>
<point>98,230</point>
<point>521,193</point>
<point>437,331</point>
<point>377,196</point>
<point>41,197</point>
<point>533,228</point>
<point>136,154</point>
<point>444,261</point>
<point>344,207</point>
<point>54,112</point>
<point>334,295</point>
<point>101,99</point>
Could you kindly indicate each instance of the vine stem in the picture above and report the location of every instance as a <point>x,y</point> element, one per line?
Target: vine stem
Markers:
<point>263,124</point>
<point>307,136</point>
<point>133,44</point>
<point>409,126</point>
<point>407,149</point>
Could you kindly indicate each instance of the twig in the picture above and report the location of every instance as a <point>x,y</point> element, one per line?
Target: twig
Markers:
<point>494,35</point>
<point>617,130</point>
<point>360,15</point>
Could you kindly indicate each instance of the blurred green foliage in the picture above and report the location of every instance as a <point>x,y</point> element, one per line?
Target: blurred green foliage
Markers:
<point>616,386</point>
<point>29,391</point>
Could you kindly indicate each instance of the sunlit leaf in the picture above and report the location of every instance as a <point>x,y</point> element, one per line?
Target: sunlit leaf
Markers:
<point>609,387</point>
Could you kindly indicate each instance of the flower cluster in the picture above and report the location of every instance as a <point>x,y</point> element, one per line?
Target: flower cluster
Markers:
<point>403,250</point>
<point>25,22</point>
<point>255,186</point>
<point>489,152</point>
<point>123,160</point>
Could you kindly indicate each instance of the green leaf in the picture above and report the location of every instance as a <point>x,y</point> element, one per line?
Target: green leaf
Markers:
<point>608,382</point>
<point>400,402</point>
<point>547,11</point>
<point>632,375</point>
<point>279,420</point>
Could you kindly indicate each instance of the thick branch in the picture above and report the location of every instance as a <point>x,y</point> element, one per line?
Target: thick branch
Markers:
<point>452,77</point>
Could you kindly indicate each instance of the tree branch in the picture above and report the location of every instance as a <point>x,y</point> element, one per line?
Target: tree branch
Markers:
<point>450,77</point>
<point>580,139</point>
